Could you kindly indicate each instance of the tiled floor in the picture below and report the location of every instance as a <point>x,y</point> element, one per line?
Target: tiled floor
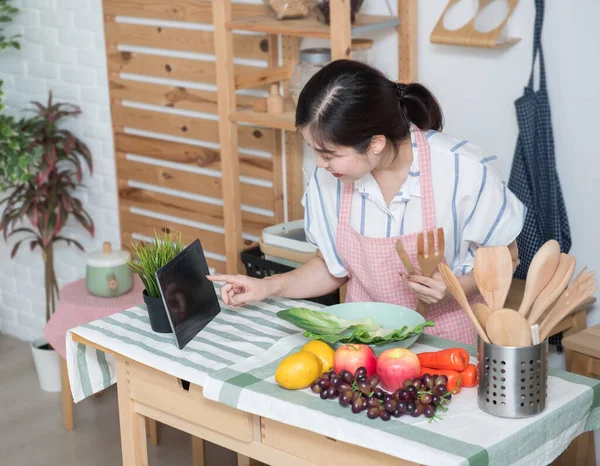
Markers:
<point>31,431</point>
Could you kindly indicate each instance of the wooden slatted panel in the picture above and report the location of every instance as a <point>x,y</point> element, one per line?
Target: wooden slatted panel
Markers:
<point>166,177</point>
<point>195,156</point>
<point>159,66</point>
<point>186,208</point>
<point>141,224</point>
<point>180,97</point>
<point>184,40</point>
<point>189,10</point>
<point>250,137</point>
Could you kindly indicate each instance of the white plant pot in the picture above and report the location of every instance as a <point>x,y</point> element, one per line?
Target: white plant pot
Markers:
<point>47,365</point>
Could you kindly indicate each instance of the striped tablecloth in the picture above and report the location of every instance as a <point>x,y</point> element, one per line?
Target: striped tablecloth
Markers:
<point>235,357</point>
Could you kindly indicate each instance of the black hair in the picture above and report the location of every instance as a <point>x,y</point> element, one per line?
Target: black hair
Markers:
<point>347,102</point>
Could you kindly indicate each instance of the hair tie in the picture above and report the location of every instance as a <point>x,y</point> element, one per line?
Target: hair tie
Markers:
<point>400,90</point>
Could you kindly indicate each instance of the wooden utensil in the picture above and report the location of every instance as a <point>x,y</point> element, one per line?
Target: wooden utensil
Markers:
<point>493,269</point>
<point>404,257</point>
<point>459,294</point>
<point>482,312</point>
<point>582,288</point>
<point>506,327</point>
<point>428,262</point>
<point>542,268</point>
<point>553,289</point>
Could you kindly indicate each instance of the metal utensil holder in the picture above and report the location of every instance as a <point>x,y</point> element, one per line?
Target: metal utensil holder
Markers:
<point>512,380</point>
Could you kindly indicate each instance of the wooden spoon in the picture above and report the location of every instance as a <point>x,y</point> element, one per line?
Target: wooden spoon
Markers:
<point>482,312</point>
<point>493,270</point>
<point>553,289</point>
<point>459,294</point>
<point>542,268</point>
<point>506,327</point>
<point>581,289</point>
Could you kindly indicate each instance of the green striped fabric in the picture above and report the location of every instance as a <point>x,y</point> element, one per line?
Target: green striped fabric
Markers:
<point>234,359</point>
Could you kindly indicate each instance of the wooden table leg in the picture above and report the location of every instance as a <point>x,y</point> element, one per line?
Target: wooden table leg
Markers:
<point>197,451</point>
<point>133,424</point>
<point>152,428</point>
<point>66,396</point>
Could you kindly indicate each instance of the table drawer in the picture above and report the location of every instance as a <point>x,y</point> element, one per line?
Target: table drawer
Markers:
<point>167,393</point>
<point>319,449</point>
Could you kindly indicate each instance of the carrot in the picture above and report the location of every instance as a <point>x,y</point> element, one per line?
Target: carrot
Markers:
<point>456,359</point>
<point>470,377</point>
<point>454,378</point>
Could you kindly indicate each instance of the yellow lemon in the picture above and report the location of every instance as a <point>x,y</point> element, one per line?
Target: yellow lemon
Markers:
<point>298,370</point>
<point>322,351</point>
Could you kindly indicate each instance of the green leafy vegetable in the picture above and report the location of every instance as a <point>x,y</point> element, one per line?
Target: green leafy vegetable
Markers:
<point>329,328</point>
<point>378,338</point>
<point>324,323</point>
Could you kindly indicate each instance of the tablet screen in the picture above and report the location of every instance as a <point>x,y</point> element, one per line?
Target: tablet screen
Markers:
<point>189,297</point>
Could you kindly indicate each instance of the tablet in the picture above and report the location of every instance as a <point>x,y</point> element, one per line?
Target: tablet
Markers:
<point>189,297</point>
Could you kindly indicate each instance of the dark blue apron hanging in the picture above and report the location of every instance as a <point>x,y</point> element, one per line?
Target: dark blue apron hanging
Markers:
<point>533,178</point>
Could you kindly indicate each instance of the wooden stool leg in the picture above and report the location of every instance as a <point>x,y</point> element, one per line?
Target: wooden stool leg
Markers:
<point>66,396</point>
<point>582,451</point>
<point>152,431</point>
<point>197,451</point>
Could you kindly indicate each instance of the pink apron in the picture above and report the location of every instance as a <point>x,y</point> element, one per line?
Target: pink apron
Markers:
<point>373,265</point>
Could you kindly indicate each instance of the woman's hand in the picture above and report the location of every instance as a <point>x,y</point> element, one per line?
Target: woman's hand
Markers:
<point>430,290</point>
<point>239,289</point>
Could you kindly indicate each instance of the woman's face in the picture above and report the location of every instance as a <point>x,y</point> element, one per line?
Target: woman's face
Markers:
<point>343,162</point>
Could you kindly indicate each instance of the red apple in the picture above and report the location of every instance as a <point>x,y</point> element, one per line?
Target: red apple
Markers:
<point>351,357</point>
<point>396,365</point>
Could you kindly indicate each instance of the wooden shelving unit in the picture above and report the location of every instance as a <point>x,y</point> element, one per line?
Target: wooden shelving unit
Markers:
<point>231,113</point>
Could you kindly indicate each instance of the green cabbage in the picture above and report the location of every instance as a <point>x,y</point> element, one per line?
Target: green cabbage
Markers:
<point>332,329</point>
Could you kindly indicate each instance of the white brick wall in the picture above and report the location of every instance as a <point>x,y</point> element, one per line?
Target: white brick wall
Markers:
<point>62,51</point>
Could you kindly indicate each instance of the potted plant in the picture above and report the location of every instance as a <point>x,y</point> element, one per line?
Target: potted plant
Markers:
<point>41,165</point>
<point>147,259</point>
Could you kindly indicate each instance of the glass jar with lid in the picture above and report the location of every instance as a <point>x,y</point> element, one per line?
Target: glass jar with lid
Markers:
<point>311,61</point>
<point>361,50</point>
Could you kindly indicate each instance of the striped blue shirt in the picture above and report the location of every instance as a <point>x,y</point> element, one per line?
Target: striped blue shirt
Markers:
<point>472,204</point>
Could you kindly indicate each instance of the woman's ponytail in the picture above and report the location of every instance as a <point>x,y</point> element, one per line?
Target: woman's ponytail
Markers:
<point>420,106</point>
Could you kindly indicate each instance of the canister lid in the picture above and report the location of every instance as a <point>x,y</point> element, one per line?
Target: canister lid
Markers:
<point>315,55</point>
<point>108,257</point>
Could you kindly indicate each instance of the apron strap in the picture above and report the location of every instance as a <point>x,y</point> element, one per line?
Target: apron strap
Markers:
<point>427,202</point>
<point>346,204</point>
<point>537,45</point>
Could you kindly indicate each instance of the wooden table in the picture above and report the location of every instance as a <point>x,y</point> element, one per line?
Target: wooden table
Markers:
<point>147,393</point>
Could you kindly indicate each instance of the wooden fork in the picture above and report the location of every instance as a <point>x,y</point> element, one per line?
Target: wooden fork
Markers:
<point>429,262</point>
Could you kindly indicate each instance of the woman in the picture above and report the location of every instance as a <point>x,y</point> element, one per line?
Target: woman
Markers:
<point>385,173</point>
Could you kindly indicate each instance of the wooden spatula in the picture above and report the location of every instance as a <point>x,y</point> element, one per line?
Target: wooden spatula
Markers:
<point>582,288</point>
<point>459,294</point>
<point>482,312</point>
<point>493,269</point>
<point>506,327</point>
<point>553,289</point>
<point>542,268</point>
<point>404,257</point>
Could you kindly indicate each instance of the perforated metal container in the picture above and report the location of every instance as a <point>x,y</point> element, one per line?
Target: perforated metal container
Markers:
<point>512,380</point>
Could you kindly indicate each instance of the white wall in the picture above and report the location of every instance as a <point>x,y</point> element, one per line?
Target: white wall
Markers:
<point>63,50</point>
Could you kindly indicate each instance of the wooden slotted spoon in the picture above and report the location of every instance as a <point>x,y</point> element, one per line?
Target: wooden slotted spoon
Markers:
<point>459,294</point>
<point>542,268</point>
<point>553,289</point>
<point>493,269</point>
<point>506,327</point>
<point>582,288</point>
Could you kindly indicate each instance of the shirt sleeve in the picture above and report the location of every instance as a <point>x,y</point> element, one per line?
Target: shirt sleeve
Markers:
<point>494,216</point>
<point>320,222</point>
